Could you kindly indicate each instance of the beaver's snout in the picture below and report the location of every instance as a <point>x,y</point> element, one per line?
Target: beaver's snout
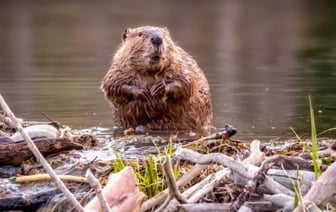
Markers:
<point>156,40</point>
<point>156,55</point>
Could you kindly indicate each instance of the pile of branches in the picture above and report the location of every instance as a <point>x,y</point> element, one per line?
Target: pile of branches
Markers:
<point>257,183</point>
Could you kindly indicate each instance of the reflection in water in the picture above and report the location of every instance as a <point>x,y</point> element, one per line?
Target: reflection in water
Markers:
<point>262,59</point>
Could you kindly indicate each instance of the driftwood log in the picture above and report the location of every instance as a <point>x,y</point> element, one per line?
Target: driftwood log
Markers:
<point>14,153</point>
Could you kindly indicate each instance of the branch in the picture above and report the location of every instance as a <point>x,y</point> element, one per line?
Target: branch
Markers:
<point>186,178</point>
<point>42,177</point>
<point>226,133</point>
<point>173,190</point>
<point>207,185</point>
<point>94,183</point>
<point>174,193</point>
<point>197,191</point>
<point>236,166</point>
<point>246,171</point>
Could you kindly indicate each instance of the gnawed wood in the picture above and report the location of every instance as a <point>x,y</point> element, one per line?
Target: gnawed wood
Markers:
<point>121,193</point>
<point>46,177</point>
<point>256,156</point>
<point>94,183</point>
<point>14,153</point>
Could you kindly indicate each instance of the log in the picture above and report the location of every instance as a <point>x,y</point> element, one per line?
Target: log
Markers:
<point>14,153</point>
<point>324,188</point>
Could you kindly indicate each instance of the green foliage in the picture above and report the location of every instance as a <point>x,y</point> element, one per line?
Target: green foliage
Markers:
<point>313,151</point>
<point>151,182</point>
<point>298,194</point>
<point>118,164</point>
<point>169,152</point>
<point>296,199</point>
<point>149,173</point>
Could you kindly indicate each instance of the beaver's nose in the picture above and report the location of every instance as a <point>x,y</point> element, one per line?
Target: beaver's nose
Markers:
<point>156,40</point>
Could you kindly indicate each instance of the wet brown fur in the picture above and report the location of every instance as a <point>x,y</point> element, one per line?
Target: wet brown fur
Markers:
<point>171,93</point>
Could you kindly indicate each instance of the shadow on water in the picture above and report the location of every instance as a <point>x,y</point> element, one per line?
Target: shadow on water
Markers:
<point>262,59</point>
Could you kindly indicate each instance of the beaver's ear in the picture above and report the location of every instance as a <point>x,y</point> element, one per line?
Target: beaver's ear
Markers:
<point>125,34</point>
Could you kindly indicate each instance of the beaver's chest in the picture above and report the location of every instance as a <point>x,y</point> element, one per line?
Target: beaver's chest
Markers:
<point>148,81</point>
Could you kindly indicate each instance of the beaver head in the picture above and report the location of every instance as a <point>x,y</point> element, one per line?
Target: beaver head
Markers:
<point>145,47</point>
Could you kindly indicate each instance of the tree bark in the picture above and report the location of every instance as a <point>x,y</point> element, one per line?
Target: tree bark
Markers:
<point>14,153</point>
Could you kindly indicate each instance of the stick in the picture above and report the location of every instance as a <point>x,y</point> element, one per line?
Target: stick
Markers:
<point>197,191</point>
<point>245,170</point>
<point>39,156</point>
<point>212,181</point>
<point>94,183</point>
<point>228,132</point>
<point>199,207</point>
<point>174,193</point>
<point>186,178</point>
<point>44,177</point>
<point>236,166</point>
<point>250,187</point>
<point>173,190</point>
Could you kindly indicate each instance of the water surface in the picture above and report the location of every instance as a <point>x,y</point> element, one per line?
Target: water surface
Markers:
<point>262,59</point>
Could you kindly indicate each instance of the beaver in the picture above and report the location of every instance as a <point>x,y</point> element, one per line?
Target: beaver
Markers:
<point>154,83</point>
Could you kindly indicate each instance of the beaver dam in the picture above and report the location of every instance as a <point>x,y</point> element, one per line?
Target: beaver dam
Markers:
<point>130,172</point>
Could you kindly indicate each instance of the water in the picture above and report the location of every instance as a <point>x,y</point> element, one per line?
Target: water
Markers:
<point>262,59</point>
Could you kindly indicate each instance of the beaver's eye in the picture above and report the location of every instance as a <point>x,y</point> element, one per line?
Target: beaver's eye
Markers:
<point>140,34</point>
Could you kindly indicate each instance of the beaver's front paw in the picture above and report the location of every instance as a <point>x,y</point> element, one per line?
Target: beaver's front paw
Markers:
<point>141,94</point>
<point>132,92</point>
<point>174,90</point>
<point>169,90</point>
<point>158,89</point>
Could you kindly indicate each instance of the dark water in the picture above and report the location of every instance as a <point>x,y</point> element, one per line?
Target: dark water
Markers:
<point>262,58</point>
